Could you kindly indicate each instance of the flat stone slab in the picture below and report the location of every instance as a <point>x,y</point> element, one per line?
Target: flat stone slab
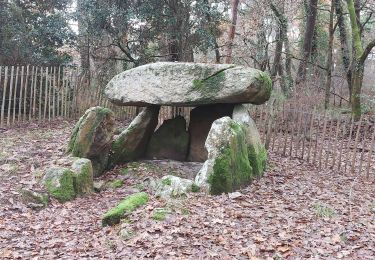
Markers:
<point>188,84</point>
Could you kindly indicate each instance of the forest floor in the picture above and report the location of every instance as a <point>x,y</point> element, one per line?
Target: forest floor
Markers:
<point>293,212</point>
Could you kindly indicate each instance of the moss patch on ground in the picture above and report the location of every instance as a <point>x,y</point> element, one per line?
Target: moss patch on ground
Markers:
<point>115,184</point>
<point>128,205</point>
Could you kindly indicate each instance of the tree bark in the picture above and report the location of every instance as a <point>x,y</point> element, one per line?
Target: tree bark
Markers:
<point>307,41</point>
<point>232,31</point>
<point>344,41</point>
<point>329,58</point>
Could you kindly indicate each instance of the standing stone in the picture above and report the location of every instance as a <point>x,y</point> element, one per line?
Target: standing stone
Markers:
<point>131,144</point>
<point>170,141</point>
<point>92,137</point>
<point>201,119</point>
<point>256,150</point>
<point>227,167</point>
<point>189,84</point>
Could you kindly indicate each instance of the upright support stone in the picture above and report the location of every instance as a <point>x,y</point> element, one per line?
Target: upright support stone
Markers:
<point>131,144</point>
<point>256,150</point>
<point>92,137</point>
<point>227,167</point>
<point>201,119</point>
<point>170,141</point>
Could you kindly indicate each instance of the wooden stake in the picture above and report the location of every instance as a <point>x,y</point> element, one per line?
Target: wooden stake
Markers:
<point>19,116</point>
<point>322,142</point>
<point>347,159</point>
<point>26,92</point>
<point>371,150</point>
<point>15,96</point>
<point>4,93</point>
<point>356,145</point>
<point>10,95</point>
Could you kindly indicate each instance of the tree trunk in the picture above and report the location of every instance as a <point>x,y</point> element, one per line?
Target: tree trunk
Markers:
<point>357,79</point>
<point>329,58</point>
<point>344,41</point>
<point>307,41</point>
<point>232,31</point>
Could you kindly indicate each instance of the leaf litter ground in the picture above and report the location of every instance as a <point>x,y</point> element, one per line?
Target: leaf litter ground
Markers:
<point>293,212</point>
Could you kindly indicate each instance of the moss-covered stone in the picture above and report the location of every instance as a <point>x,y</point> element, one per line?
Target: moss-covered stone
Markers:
<point>257,159</point>
<point>34,199</point>
<point>128,205</point>
<point>256,150</point>
<point>170,141</point>
<point>60,183</point>
<point>92,136</point>
<point>83,176</point>
<point>131,144</point>
<point>231,169</point>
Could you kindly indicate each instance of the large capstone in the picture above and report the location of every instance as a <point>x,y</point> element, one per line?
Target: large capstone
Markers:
<point>189,84</point>
<point>201,119</point>
<point>256,151</point>
<point>227,167</point>
<point>170,141</point>
<point>92,137</point>
<point>131,144</point>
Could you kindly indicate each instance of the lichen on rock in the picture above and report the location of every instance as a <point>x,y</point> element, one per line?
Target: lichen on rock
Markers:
<point>171,186</point>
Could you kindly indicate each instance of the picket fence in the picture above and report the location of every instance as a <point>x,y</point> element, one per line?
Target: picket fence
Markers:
<point>336,141</point>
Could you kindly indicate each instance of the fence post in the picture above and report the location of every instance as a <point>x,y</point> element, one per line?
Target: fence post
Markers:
<point>4,94</point>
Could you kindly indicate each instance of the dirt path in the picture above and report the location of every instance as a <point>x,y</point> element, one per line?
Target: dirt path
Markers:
<point>293,212</point>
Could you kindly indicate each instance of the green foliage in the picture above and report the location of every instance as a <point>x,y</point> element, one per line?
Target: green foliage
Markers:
<point>185,24</point>
<point>128,205</point>
<point>31,32</point>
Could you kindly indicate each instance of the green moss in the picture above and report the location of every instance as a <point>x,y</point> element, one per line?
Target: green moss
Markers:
<point>115,184</point>
<point>160,214</point>
<point>65,191</point>
<point>87,127</point>
<point>323,211</point>
<point>167,182</point>
<point>124,171</point>
<point>264,81</point>
<point>209,85</point>
<point>195,188</point>
<point>231,169</point>
<point>83,180</point>
<point>128,205</point>
<point>257,159</point>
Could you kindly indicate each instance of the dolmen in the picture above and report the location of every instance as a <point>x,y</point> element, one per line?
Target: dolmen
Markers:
<point>220,131</point>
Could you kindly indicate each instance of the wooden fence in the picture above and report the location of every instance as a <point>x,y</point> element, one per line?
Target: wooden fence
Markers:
<point>32,93</point>
<point>328,140</point>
